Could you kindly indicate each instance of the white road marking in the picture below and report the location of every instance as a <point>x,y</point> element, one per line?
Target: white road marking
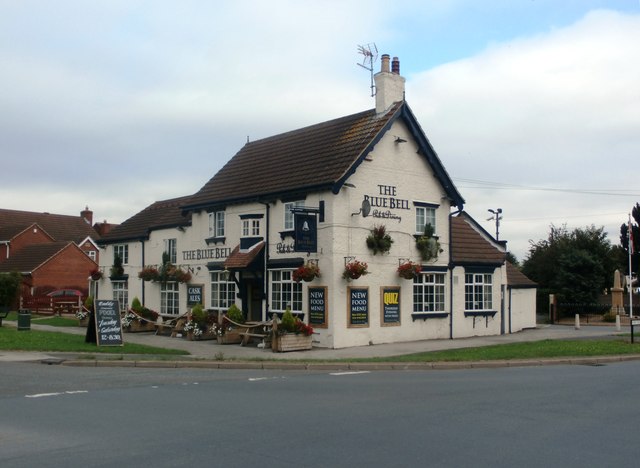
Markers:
<point>350,373</point>
<point>68,392</point>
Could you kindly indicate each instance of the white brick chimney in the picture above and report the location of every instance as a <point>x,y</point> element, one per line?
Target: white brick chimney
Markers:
<point>389,84</point>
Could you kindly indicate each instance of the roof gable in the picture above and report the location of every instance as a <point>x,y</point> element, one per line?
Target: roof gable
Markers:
<point>159,215</point>
<point>318,157</point>
<point>469,246</point>
<point>31,257</point>
<point>59,227</point>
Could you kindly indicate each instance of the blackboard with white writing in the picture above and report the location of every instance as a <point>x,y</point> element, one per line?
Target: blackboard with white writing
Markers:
<point>318,307</point>
<point>358,306</point>
<point>194,294</point>
<point>108,324</point>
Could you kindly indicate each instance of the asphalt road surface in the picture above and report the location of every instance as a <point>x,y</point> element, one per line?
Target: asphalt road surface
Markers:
<point>567,416</point>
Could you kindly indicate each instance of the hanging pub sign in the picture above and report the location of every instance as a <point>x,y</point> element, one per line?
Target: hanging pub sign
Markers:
<point>306,232</point>
<point>194,295</point>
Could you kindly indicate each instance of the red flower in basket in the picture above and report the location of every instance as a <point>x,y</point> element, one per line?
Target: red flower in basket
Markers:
<point>354,270</point>
<point>306,272</point>
<point>409,270</point>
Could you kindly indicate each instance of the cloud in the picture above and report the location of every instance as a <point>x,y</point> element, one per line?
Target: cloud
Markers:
<point>557,110</point>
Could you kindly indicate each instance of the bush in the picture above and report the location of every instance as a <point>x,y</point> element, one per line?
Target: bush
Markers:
<point>288,321</point>
<point>199,315</point>
<point>609,317</point>
<point>9,287</point>
<point>136,305</point>
<point>235,314</point>
<point>88,303</point>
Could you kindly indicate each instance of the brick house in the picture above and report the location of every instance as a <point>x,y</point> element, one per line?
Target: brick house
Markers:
<point>50,251</point>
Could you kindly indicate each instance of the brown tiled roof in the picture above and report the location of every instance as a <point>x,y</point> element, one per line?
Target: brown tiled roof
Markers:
<point>318,157</point>
<point>158,215</point>
<point>32,256</point>
<point>242,259</point>
<point>517,279</point>
<point>468,246</point>
<point>60,227</point>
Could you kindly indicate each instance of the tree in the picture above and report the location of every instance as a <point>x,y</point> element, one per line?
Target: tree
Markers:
<point>624,240</point>
<point>9,288</point>
<point>576,265</point>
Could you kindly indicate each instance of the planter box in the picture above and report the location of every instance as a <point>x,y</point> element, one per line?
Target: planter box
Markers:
<point>140,326</point>
<point>84,323</point>
<point>291,342</point>
<point>230,337</point>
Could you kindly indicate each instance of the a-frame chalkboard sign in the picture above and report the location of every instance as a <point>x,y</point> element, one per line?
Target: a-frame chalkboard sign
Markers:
<point>108,326</point>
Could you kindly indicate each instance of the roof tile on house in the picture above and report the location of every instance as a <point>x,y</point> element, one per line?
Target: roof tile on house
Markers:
<point>468,246</point>
<point>242,259</point>
<point>32,256</point>
<point>517,279</point>
<point>310,158</point>
<point>158,215</point>
<point>60,227</point>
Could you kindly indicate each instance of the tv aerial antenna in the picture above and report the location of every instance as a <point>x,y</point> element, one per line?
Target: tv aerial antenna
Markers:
<point>370,55</point>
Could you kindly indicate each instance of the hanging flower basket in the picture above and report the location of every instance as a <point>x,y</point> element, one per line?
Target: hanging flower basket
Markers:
<point>307,272</point>
<point>354,270</point>
<point>409,270</point>
<point>378,240</point>
<point>95,275</point>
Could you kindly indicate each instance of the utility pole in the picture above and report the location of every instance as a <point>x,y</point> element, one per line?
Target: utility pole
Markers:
<point>497,215</point>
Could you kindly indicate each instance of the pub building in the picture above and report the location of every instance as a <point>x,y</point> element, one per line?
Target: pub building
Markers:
<point>313,197</point>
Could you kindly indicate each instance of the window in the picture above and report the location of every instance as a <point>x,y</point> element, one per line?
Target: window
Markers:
<point>288,214</point>
<point>223,292</point>
<point>425,215</point>
<point>171,248</point>
<point>169,298</point>
<point>428,292</point>
<point>121,294</point>
<point>121,250</point>
<point>285,292</point>
<point>478,289</point>
<point>216,224</point>
<point>92,254</point>
<point>250,228</point>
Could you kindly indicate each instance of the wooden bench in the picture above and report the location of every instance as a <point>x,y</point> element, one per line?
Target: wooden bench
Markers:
<point>4,311</point>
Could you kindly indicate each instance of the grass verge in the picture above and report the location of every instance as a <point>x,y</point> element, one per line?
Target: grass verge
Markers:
<point>34,340</point>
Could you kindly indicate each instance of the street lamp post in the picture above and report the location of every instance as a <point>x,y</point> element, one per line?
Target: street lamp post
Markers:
<point>497,215</point>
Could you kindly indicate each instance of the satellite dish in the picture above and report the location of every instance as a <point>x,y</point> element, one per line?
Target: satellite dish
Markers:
<point>366,208</point>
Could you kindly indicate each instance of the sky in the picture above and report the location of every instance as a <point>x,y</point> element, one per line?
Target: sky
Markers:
<point>533,106</point>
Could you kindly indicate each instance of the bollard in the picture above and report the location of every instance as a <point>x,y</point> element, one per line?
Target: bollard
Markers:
<point>618,323</point>
<point>577,321</point>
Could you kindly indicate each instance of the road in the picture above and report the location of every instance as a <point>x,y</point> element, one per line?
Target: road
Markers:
<point>569,416</point>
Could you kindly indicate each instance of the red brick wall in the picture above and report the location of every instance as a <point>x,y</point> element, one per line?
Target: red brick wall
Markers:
<point>28,237</point>
<point>69,269</point>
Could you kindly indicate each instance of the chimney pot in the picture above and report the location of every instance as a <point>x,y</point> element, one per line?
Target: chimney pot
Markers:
<point>395,66</point>
<point>384,63</point>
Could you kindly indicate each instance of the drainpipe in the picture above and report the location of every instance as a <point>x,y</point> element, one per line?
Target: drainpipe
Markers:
<point>451,275</point>
<point>266,263</point>
<point>142,244</point>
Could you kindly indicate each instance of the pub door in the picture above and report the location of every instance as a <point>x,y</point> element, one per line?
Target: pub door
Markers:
<point>254,293</point>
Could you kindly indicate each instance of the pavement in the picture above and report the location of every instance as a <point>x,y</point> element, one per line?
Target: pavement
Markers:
<point>214,355</point>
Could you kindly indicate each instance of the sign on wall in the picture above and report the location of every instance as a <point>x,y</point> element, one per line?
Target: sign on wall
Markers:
<point>194,294</point>
<point>306,232</point>
<point>318,307</point>
<point>358,307</point>
<point>108,325</point>
<point>390,301</point>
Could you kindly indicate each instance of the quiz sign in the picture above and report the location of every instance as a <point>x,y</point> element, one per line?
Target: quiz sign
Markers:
<point>390,306</point>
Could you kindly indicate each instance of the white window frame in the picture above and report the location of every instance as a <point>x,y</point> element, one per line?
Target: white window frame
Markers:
<point>429,293</point>
<point>425,215</point>
<point>91,254</point>
<point>120,292</point>
<point>478,292</point>
<point>171,248</point>
<point>285,292</point>
<point>289,221</point>
<point>223,292</point>
<point>216,223</point>
<point>123,251</point>
<point>251,227</point>
<point>170,298</point>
